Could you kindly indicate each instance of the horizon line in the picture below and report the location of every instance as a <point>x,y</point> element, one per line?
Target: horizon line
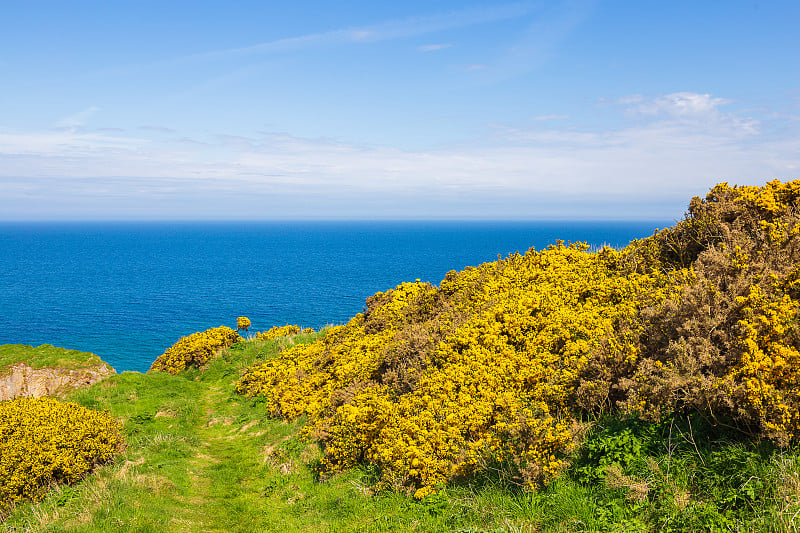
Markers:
<point>320,219</point>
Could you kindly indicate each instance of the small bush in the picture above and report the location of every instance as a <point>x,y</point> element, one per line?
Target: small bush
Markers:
<point>243,323</point>
<point>621,443</point>
<point>195,350</point>
<point>44,441</point>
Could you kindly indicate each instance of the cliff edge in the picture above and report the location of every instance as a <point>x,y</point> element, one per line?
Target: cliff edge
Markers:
<point>47,370</point>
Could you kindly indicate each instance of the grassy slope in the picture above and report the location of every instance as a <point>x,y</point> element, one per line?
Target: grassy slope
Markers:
<point>201,458</point>
<point>46,356</point>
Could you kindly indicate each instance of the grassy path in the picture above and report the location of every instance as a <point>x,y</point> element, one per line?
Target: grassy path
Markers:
<point>225,472</point>
<point>199,497</point>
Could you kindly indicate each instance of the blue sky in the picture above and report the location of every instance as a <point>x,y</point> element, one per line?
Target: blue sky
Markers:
<point>425,110</point>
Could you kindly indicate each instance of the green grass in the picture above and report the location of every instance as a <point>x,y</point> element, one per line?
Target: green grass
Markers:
<point>201,458</point>
<point>46,356</point>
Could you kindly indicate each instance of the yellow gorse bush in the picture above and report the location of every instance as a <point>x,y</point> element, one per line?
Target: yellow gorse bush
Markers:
<point>45,441</point>
<point>769,368</point>
<point>433,383</point>
<point>243,322</point>
<point>281,331</point>
<point>729,345</point>
<point>195,349</point>
<point>493,367</point>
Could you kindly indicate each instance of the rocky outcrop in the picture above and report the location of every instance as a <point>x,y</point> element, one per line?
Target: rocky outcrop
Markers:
<point>22,380</point>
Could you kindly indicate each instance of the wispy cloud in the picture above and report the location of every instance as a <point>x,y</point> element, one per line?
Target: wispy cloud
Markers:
<point>65,143</point>
<point>157,129</point>
<point>72,122</point>
<point>652,166</point>
<point>550,117</point>
<point>681,104</point>
<point>433,47</point>
<point>539,42</point>
<point>389,30</point>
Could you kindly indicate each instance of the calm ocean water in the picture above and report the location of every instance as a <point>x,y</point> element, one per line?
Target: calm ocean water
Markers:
<point>127,291</point>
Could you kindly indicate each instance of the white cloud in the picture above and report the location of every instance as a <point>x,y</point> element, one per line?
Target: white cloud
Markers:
<point>656,160</point>
<point>65,143</point>
<point>684,107</point>
<point>157,129</point>
<point>682,104</point>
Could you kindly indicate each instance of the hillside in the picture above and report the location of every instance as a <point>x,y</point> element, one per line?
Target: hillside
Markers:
<point>200,457</point>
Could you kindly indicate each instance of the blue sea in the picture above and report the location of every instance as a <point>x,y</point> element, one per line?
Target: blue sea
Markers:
<point>127,291</point>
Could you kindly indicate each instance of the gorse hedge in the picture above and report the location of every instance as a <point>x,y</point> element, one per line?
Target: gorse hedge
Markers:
<point>282,331</point>
<point>45,441</point>
<point>498,364</point>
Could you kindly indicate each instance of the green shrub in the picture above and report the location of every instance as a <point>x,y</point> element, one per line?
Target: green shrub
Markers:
<point>614,443</point>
